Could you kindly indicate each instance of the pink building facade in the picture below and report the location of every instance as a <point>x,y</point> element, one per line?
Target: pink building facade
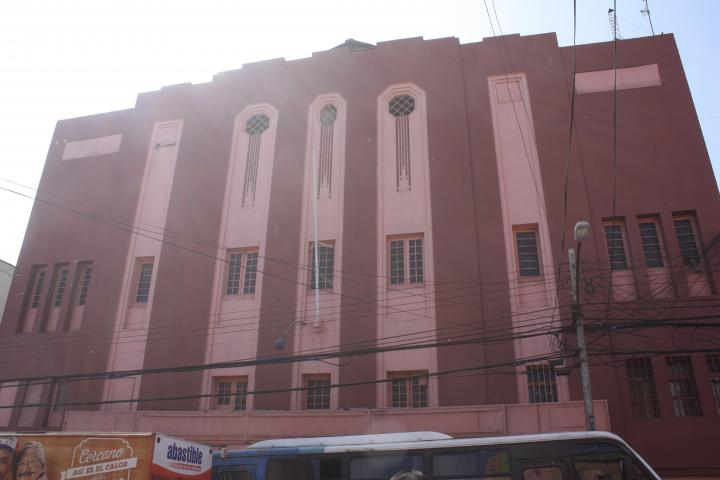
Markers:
<point>404,209</point>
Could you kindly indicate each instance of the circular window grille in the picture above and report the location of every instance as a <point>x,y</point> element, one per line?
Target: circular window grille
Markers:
<point>257,124</point>
<point>401,105</point>
<point>328,114</point>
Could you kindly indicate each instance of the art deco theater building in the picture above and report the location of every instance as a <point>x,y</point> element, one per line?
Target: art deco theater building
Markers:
<point>375,239</point>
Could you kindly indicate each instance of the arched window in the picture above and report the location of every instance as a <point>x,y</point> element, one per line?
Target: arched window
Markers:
<point>400,107</point>
<point>254,127</point>
<point>328,115</point>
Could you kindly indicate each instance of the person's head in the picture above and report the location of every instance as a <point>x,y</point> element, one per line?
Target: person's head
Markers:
<point>30,463</point>
<point>408,475</point>
<point>7,454</point>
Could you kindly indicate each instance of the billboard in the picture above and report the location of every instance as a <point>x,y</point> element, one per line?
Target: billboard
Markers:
<point>102,457</point>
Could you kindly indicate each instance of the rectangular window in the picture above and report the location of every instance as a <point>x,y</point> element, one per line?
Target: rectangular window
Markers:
<point>85,286</point>
<point>325,265</point>
<point>317,396</point>
<point>61,284</point>
<point>231,393</point>
<point>60,397</point>
<point>616,247</point>
<point>651,244</point>
<point>143,285</point>
<point>241,272</point>
<point>408,389</point>
<point>407,260</point>
<point>713,364</point>
<point>234,273</point>
<point>643,396</point>
<point>38,288</point>
<point>542,386</point>
<point>682,386</point>
<point>527,253</point>
<point>687,240</point>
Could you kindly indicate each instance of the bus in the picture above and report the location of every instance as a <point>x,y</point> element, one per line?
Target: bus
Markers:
<point>435,456</point>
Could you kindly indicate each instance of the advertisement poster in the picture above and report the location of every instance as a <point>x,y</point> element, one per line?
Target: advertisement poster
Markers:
<point>174,458</point>
<point>101,457</point>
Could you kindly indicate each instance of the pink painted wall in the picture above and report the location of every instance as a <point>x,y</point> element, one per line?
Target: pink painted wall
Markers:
<point>241,428</point>
<point>406,311</point>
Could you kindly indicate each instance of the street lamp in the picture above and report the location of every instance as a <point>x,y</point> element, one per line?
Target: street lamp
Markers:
<point>580,233</point>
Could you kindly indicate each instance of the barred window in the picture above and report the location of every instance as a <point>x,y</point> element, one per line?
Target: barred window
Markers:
<point>400,107</point>
<point>643,396</point>
<point>143,284</point>
<point>689,252</point>
<point>325,265</point>
<point>38,288</point>
<point>60,397</point>
<point>61,284</point>
<point>542,385</point>
<point>231,393</point>
<point>328,115</point>
<point>616,247</point>
<point>651,244</point>
<point>241,272</point>
<point>86,276</point>
<point>527,253</point>
<point>407,262</point>
<point>682,386</point>
<point>713,364</point>
<point>254,127</point>
<point>408,389</point>
<point>317,395</point>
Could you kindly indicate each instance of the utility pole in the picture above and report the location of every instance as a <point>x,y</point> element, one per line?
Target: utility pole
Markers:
<point>580,232</point>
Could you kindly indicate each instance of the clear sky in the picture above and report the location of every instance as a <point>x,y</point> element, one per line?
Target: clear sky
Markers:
<point>69,58</point>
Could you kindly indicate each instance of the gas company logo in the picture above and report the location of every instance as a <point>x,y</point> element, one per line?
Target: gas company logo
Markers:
<point>188,454</point>
<point>110,457</point>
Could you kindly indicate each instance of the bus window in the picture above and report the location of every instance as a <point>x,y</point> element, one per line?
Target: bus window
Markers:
<point>464,465</point>
<point>602,461</point>
<point>383,467</point>
<point>542,473</point>
<point>243,473</point>
<point>289,469</point>
<point>330,469</point>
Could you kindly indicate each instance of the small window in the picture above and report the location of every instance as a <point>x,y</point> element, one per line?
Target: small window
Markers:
<point>713,364</point>
<point>464,465</point>
<point>86,276</point>
<point>643,396</point>
<point>407,262</point>
<point>317,396</point>
<point>61,284</point>
<point>241,272</point>
<point>408,389</point>
<point>325,265</point>
<point>614,238</point>
<point>60,397</point>
<point>143,284</point>
<point>527,253</point>
<point>39,283</point>
<point>542,385</point>
<point>687,240</point>
<point>231,393</point>
<point>682,386</point>
<point>651,244</point>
